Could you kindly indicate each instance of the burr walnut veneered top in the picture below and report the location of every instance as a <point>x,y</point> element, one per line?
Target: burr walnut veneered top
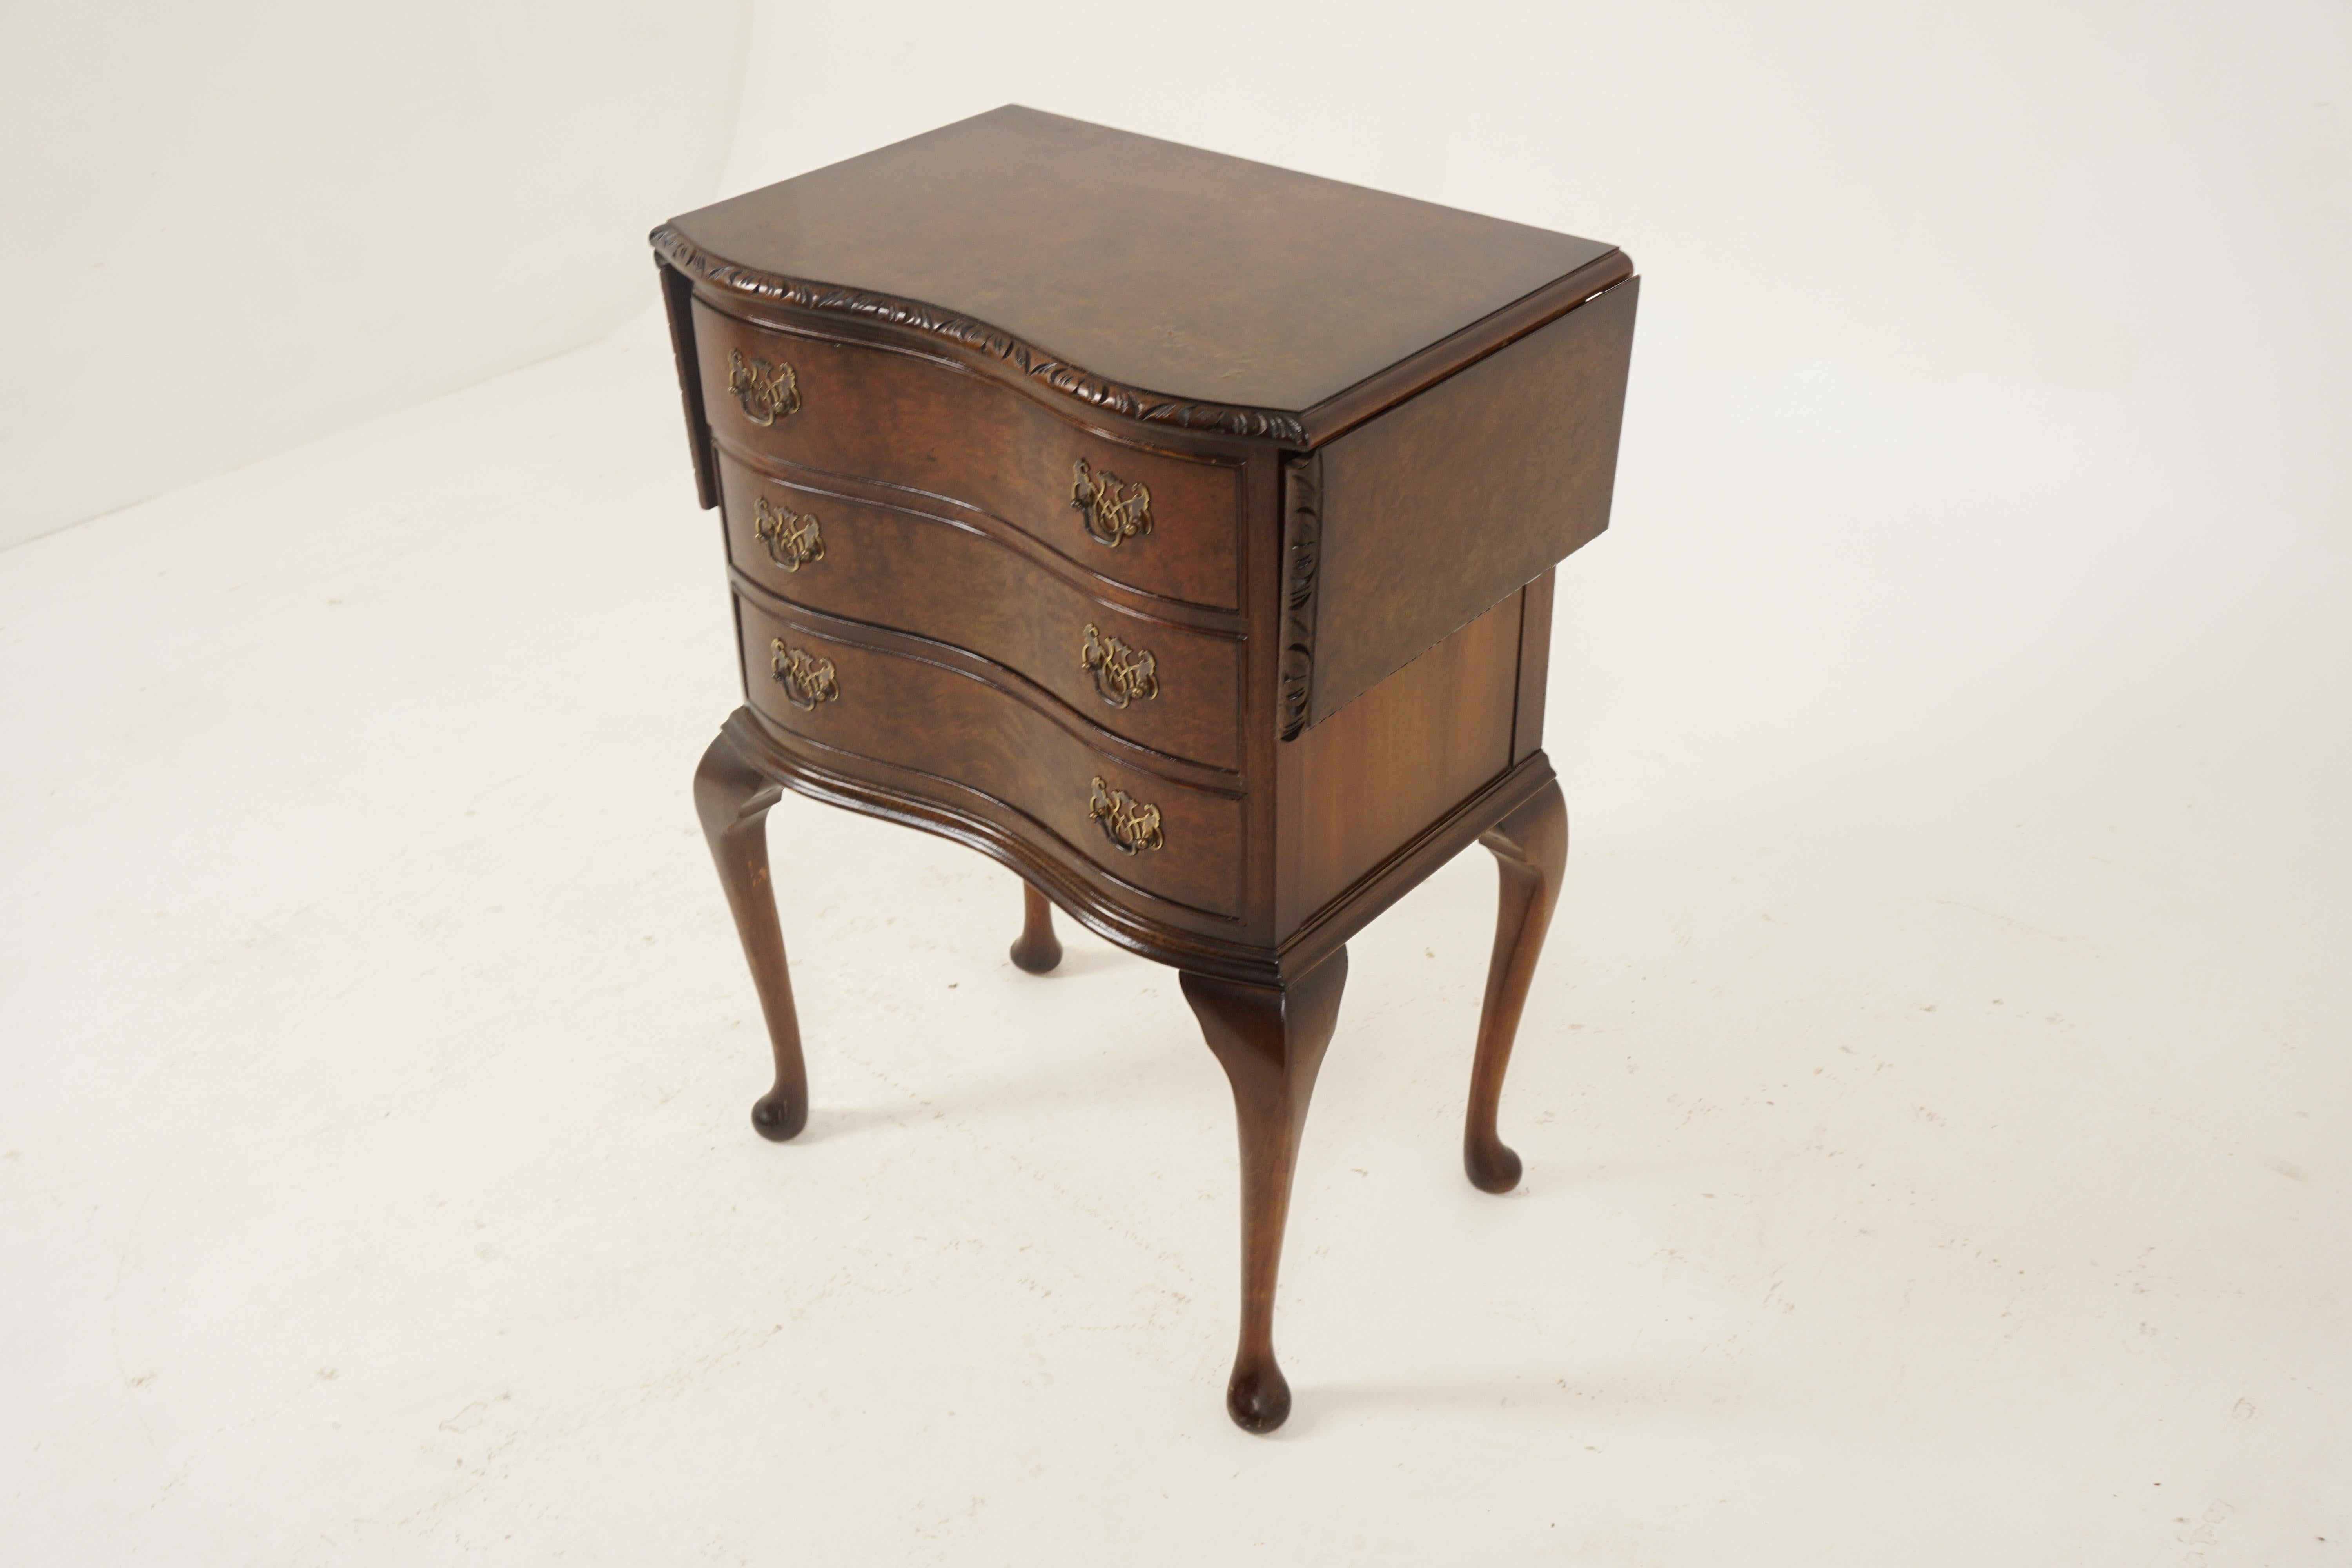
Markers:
<point>1099,259</point>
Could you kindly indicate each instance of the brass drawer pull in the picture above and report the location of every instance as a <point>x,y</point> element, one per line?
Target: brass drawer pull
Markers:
<point>1122,674</point>
<point>1113,511</point>
<point>792,538</point>
<point>1130,825</point>
<point>807,679</point>
<point>767,391</point>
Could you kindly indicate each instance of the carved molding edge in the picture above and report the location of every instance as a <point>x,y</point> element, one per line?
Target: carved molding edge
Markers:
<point>1302,547</point>
<point>1132,402</point>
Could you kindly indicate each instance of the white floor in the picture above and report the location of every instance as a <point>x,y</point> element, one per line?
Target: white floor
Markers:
<point>1935,1099</point>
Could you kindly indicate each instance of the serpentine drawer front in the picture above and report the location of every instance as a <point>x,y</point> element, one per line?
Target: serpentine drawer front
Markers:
<point>1178,532</point>
<point>895,705</point>
<point>967,581</point>
<point>1155,522</point>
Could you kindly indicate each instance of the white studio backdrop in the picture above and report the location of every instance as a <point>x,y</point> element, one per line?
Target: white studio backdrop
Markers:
<point>1933,1093</point>
<point>228,229</point>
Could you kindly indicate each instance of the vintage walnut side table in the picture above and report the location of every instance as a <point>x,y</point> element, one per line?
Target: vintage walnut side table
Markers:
<point>1177,530</point>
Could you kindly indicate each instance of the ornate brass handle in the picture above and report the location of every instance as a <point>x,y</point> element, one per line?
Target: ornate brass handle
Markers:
<point>792,537</point>
<point>1131,827</point>
<point>807,679</point>
<point>767,391</point>
<point>1122,674</point>
<point>1113,511</point>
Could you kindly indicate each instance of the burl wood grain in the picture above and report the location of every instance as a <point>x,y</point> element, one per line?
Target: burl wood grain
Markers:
<point>1183,274</point>
<point>1036,950</point>
<point>962,582</point>
<point>1451,503</point>
<point>931,427</point>
<point>971,735</point>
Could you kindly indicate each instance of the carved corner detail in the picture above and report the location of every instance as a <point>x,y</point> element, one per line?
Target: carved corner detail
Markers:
<point>1302,545</point>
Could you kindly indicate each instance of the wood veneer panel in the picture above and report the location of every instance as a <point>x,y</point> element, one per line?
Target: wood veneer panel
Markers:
<point>1535,666</point>
<point>1360,786</point>
<point>933,427</point>
<point>969,736</point>
<point>1449,504</point>
<point>1177,275</point>
<point>678,299</point>
<point>890,565</point>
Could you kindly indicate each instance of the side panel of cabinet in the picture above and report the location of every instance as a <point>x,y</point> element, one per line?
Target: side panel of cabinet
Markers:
<point>1360,786</point>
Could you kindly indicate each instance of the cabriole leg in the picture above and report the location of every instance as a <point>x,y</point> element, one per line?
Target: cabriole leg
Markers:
<point>1271,1041</point>
<point>732,798</point>
<point>1530,849</point>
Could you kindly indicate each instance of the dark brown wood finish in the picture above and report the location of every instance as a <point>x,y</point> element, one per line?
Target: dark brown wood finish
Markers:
<point>894,699</point>
<point>1270,1040</point>
<point>1535,665</point>
<point>1175,531</point>
<point>732,794</point>
<point>977,586</point>
<point>1358,787</point>
<point>1158,281</point>
<point>1038,949</point>
<point>1451,502</point>
<point>1530,849</point>
<point>1335,417</point>
<point>933,428</point>
<point>677,303</point>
